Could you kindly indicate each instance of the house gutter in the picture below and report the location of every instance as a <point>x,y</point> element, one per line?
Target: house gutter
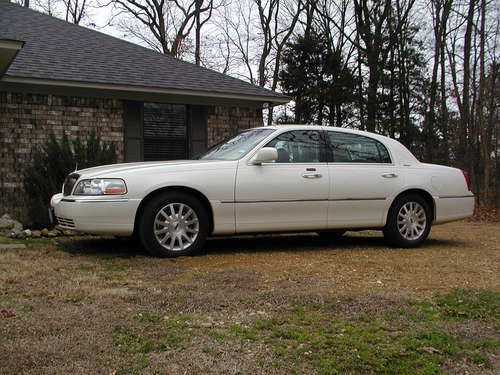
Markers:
<point>150,90</point>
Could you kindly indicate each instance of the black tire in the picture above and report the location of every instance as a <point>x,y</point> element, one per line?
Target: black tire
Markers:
<point>332,235</point>
<point>146,225</point>
<point>392,232</point>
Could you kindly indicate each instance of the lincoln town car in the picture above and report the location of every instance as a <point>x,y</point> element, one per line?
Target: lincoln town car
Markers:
<point>271,179</point>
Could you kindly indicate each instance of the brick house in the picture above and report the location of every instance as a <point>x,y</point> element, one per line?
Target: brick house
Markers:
<point>63,78</point>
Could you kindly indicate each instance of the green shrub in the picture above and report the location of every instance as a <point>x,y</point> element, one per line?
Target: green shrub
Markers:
<point>50,165</point>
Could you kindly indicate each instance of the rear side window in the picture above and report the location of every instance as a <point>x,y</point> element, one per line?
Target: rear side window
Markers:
<point>354,148</point>
<point>300,146</point>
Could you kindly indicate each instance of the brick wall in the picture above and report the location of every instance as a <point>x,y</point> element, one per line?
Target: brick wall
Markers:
<point>26,120</point>
<point>224,121</point>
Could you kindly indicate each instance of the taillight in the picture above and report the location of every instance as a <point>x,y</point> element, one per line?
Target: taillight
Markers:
<point>467,180</point>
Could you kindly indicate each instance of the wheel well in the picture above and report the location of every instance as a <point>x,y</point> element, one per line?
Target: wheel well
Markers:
<point>183,189</point>
<point>424,194</point>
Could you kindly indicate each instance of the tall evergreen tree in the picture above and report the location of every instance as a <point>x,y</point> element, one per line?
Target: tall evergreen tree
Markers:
<point>322,86</point>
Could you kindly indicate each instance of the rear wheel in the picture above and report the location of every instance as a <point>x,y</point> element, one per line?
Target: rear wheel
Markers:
<point>173,224</point>
<point>409,221</point>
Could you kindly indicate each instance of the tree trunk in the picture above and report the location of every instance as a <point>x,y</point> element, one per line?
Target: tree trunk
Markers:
<point>197,51</point>
<point>442,62</point>
<point>372,98</point>
<point>484,144</point>
<point>463,150</point>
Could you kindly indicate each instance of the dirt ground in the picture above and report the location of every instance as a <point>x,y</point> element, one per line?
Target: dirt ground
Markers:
<point>261,305</point>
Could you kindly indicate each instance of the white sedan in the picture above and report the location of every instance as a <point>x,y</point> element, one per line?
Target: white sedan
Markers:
<point>271,179</point>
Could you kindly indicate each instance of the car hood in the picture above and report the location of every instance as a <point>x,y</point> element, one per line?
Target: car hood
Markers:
<point>114,169</point>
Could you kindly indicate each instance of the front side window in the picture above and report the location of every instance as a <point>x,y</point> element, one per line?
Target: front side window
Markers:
<point>299,146</point>
<point>238,146</point>
<point>354,148</point>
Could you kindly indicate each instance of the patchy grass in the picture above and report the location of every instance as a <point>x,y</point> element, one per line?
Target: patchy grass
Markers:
<point>307,339</point>
<point>77,297</point>
<point>311,339</point>
<point>470,304</point>
<point>269,305</point>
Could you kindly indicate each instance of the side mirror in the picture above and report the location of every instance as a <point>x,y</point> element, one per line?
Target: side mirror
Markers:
<point>265,155</point>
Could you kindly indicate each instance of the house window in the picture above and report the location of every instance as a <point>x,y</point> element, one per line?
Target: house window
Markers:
<point>165,131</point>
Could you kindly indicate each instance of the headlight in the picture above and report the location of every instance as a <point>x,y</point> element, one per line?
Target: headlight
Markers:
<point>101,186</point>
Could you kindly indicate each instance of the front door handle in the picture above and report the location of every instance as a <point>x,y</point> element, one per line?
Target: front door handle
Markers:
<point>312,175</point>
<point>389,175</point>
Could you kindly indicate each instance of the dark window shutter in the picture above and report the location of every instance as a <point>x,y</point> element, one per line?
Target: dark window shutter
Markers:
<point>132,123</point>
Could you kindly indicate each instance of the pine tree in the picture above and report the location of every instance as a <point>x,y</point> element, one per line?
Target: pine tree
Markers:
<point>323,87</point>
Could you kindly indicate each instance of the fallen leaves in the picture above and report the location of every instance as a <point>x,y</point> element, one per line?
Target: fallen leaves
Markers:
<point>7,313</point>
<point>429,350</point>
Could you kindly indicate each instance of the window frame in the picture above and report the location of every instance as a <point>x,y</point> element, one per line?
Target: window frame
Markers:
<point>329,150</point>
<point>322,147</point>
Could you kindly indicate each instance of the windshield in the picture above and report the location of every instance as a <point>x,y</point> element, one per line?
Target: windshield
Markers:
<point>236,147</point>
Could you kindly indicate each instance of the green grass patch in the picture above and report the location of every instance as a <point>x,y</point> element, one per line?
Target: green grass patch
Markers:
<point>77,297</point>
<point>154,333</point>
<point>216,334</point>
<point>407,340</point>
<point>139,363</point>
<point>416,337</point>
<point>463,304</point>
<point>115,271</point>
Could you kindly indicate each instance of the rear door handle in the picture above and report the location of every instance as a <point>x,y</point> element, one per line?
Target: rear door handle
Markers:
<point>312,175</point>
<point>389,175</point>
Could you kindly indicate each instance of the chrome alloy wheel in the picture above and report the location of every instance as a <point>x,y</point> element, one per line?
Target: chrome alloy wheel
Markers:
<point>176,226</point>
<point>411,221</point>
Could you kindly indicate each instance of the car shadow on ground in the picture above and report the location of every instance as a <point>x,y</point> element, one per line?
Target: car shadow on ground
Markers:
<point>111,247</point>
<point>102,247</point>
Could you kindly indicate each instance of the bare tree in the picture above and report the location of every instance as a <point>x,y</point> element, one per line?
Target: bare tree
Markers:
<point>75,10</point>
<point>277,21</point>
<point>50,7</point>
<point>462,91</point>
<point>237,34</point>
<point>256,31</point>
<point>440,10</point>
<point>372,23</point>
<point>168,21</point>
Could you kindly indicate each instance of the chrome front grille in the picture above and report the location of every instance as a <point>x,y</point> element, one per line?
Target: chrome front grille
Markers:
<point>65,222</point>
<point>69,183</point>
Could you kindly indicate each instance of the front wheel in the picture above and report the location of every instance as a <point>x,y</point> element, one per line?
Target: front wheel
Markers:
<point>408,222</point>
<point>173,224</point>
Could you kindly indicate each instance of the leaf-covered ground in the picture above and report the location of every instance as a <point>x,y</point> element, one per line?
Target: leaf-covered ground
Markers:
<point>265,305</point>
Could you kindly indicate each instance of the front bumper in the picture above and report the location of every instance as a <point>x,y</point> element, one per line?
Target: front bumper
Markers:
<point>96,215</point>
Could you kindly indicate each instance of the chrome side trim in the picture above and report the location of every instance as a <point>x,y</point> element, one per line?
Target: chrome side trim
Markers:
<point>95,200</point>
<point>359,199</point>
<point>306,200</point>
<point>456,196</point>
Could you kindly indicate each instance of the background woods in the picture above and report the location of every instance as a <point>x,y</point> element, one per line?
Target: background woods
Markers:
<point>424,72</point>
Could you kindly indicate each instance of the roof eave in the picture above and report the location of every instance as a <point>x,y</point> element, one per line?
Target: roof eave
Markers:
<point>274,100</point>
<point>8,51</point>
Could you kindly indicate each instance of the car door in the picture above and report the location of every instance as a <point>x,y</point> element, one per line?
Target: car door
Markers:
<point>362,178</point>
<point>288,194</point>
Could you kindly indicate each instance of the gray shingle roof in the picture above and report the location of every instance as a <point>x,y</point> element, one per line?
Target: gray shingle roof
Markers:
<point>58,50</point>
